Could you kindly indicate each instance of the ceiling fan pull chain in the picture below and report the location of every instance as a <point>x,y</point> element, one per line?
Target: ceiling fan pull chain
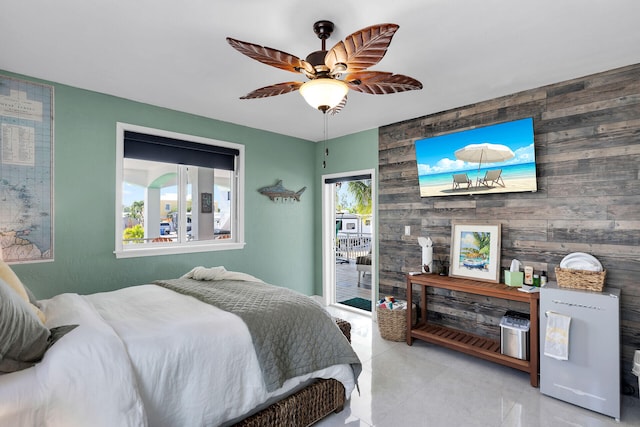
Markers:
<point>326,132</point>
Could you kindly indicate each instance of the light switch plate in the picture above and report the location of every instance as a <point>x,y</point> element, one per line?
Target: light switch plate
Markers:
<point>407,230</point>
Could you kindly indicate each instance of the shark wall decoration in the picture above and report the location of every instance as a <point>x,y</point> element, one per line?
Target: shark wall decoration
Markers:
<point>277,191</point>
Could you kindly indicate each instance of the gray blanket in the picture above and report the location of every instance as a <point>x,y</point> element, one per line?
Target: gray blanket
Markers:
<point>292,334</point>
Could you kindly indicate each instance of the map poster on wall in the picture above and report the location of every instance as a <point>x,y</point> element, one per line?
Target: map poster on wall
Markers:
<point>26,171</point>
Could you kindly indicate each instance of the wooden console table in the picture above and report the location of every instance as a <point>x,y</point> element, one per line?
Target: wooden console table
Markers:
<point>465,342</point>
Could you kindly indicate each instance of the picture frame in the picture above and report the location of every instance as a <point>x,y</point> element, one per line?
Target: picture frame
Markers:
<point>206,205</point>
<point>475,251</point>
<point>27,147</point>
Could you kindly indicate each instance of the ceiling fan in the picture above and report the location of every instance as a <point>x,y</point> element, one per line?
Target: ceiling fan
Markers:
<point>332,73</point>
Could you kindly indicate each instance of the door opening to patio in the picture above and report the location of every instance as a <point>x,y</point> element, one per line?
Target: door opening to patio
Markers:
<point>349,273</point>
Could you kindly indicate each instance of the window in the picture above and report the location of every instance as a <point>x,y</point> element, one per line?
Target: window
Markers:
<point>177,193</point>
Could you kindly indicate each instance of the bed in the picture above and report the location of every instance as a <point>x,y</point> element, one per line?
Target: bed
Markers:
<point>167,354</point>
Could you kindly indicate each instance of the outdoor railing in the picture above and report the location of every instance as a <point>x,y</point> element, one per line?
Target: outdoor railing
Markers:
<point>352,245</point>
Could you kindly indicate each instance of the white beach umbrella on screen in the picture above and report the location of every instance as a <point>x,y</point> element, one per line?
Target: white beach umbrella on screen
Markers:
<point>484,153</point>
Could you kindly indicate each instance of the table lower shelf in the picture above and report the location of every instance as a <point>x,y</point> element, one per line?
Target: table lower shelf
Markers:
<point>465,342</point>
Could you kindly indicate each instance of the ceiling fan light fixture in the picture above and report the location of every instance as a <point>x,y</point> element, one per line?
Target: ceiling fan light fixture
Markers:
<point>324,93</point>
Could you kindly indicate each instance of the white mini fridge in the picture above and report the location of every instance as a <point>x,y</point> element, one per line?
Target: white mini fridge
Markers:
<point>590,377</point>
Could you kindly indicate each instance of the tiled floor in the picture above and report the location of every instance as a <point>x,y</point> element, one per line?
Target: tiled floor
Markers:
<point>425,385</point>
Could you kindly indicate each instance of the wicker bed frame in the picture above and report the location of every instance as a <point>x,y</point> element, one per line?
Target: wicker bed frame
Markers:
<point>306,406</point>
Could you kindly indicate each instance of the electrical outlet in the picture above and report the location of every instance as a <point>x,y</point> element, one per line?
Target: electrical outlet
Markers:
<point>407,230</point>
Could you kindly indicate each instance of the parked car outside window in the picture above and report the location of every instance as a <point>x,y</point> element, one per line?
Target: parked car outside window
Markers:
<point>165,228</point>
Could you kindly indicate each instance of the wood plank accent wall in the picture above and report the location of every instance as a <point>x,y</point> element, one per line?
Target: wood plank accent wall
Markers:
<point>587,143</point>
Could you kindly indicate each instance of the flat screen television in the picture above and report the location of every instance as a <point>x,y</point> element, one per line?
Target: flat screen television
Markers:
<point>498,158</point>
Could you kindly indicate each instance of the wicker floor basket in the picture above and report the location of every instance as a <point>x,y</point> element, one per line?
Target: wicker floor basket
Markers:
<point>393,323</point>
<point>580,279</point>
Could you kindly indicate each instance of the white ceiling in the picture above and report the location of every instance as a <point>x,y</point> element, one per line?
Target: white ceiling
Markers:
<point>173,53</point>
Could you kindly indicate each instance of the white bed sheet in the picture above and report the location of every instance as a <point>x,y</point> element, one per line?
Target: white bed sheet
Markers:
<point>143,355</point>
<point>85,379</point>
<point>187,375</point>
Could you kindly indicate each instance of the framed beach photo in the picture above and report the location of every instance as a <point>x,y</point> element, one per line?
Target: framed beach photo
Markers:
<point>475,251</point>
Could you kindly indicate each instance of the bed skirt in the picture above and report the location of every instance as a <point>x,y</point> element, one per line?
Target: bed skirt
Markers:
<point>307,406</point>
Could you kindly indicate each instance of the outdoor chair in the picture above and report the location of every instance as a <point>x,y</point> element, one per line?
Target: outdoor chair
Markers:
<point>493,176</point>
<point>363,265</point>
<point>461,179</point>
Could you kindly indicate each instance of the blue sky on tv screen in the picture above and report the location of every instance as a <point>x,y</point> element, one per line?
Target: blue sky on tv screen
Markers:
<point>435,155</point>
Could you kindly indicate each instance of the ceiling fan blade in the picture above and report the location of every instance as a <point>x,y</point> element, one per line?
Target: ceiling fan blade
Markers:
<point>275,58</point>
<point>335,110</point>
<point>361,49</point>
<point>380,82</point>
<point>273,90</point>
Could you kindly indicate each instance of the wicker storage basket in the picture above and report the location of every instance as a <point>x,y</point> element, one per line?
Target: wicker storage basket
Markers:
<point>302,408</point>
<point>307,405</point>
<point>393,323</point>
<point>580,279</point>
<point>345,327</point>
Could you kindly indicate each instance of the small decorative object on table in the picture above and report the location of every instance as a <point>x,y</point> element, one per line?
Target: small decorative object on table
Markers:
<point>443,265</point>
<point>392,318</point>
<point>427,254</point>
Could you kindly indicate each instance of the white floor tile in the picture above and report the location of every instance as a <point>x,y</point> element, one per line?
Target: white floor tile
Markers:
<point>427,385</point>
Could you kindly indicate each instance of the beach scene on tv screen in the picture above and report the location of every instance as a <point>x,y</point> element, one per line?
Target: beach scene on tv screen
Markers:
<point>498,158</point>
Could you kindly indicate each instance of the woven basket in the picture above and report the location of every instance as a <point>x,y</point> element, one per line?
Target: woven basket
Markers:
<point>580,279</point>
<point>306,406</point>
<point>302,408</point>
<point>345,327</point>
<point>393,323</point>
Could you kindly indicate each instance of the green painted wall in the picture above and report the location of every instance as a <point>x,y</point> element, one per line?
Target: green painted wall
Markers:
<point>280,237</point>
<point>353,152</point>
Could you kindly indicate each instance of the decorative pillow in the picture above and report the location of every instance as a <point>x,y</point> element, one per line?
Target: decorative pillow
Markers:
<point>23,338</point>
<point>10,278</point>
<point>32,298</point>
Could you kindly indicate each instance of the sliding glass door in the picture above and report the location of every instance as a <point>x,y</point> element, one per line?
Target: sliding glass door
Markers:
<point>349,273</point>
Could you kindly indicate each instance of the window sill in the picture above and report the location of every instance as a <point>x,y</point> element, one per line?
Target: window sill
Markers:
<point>173,249</point>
